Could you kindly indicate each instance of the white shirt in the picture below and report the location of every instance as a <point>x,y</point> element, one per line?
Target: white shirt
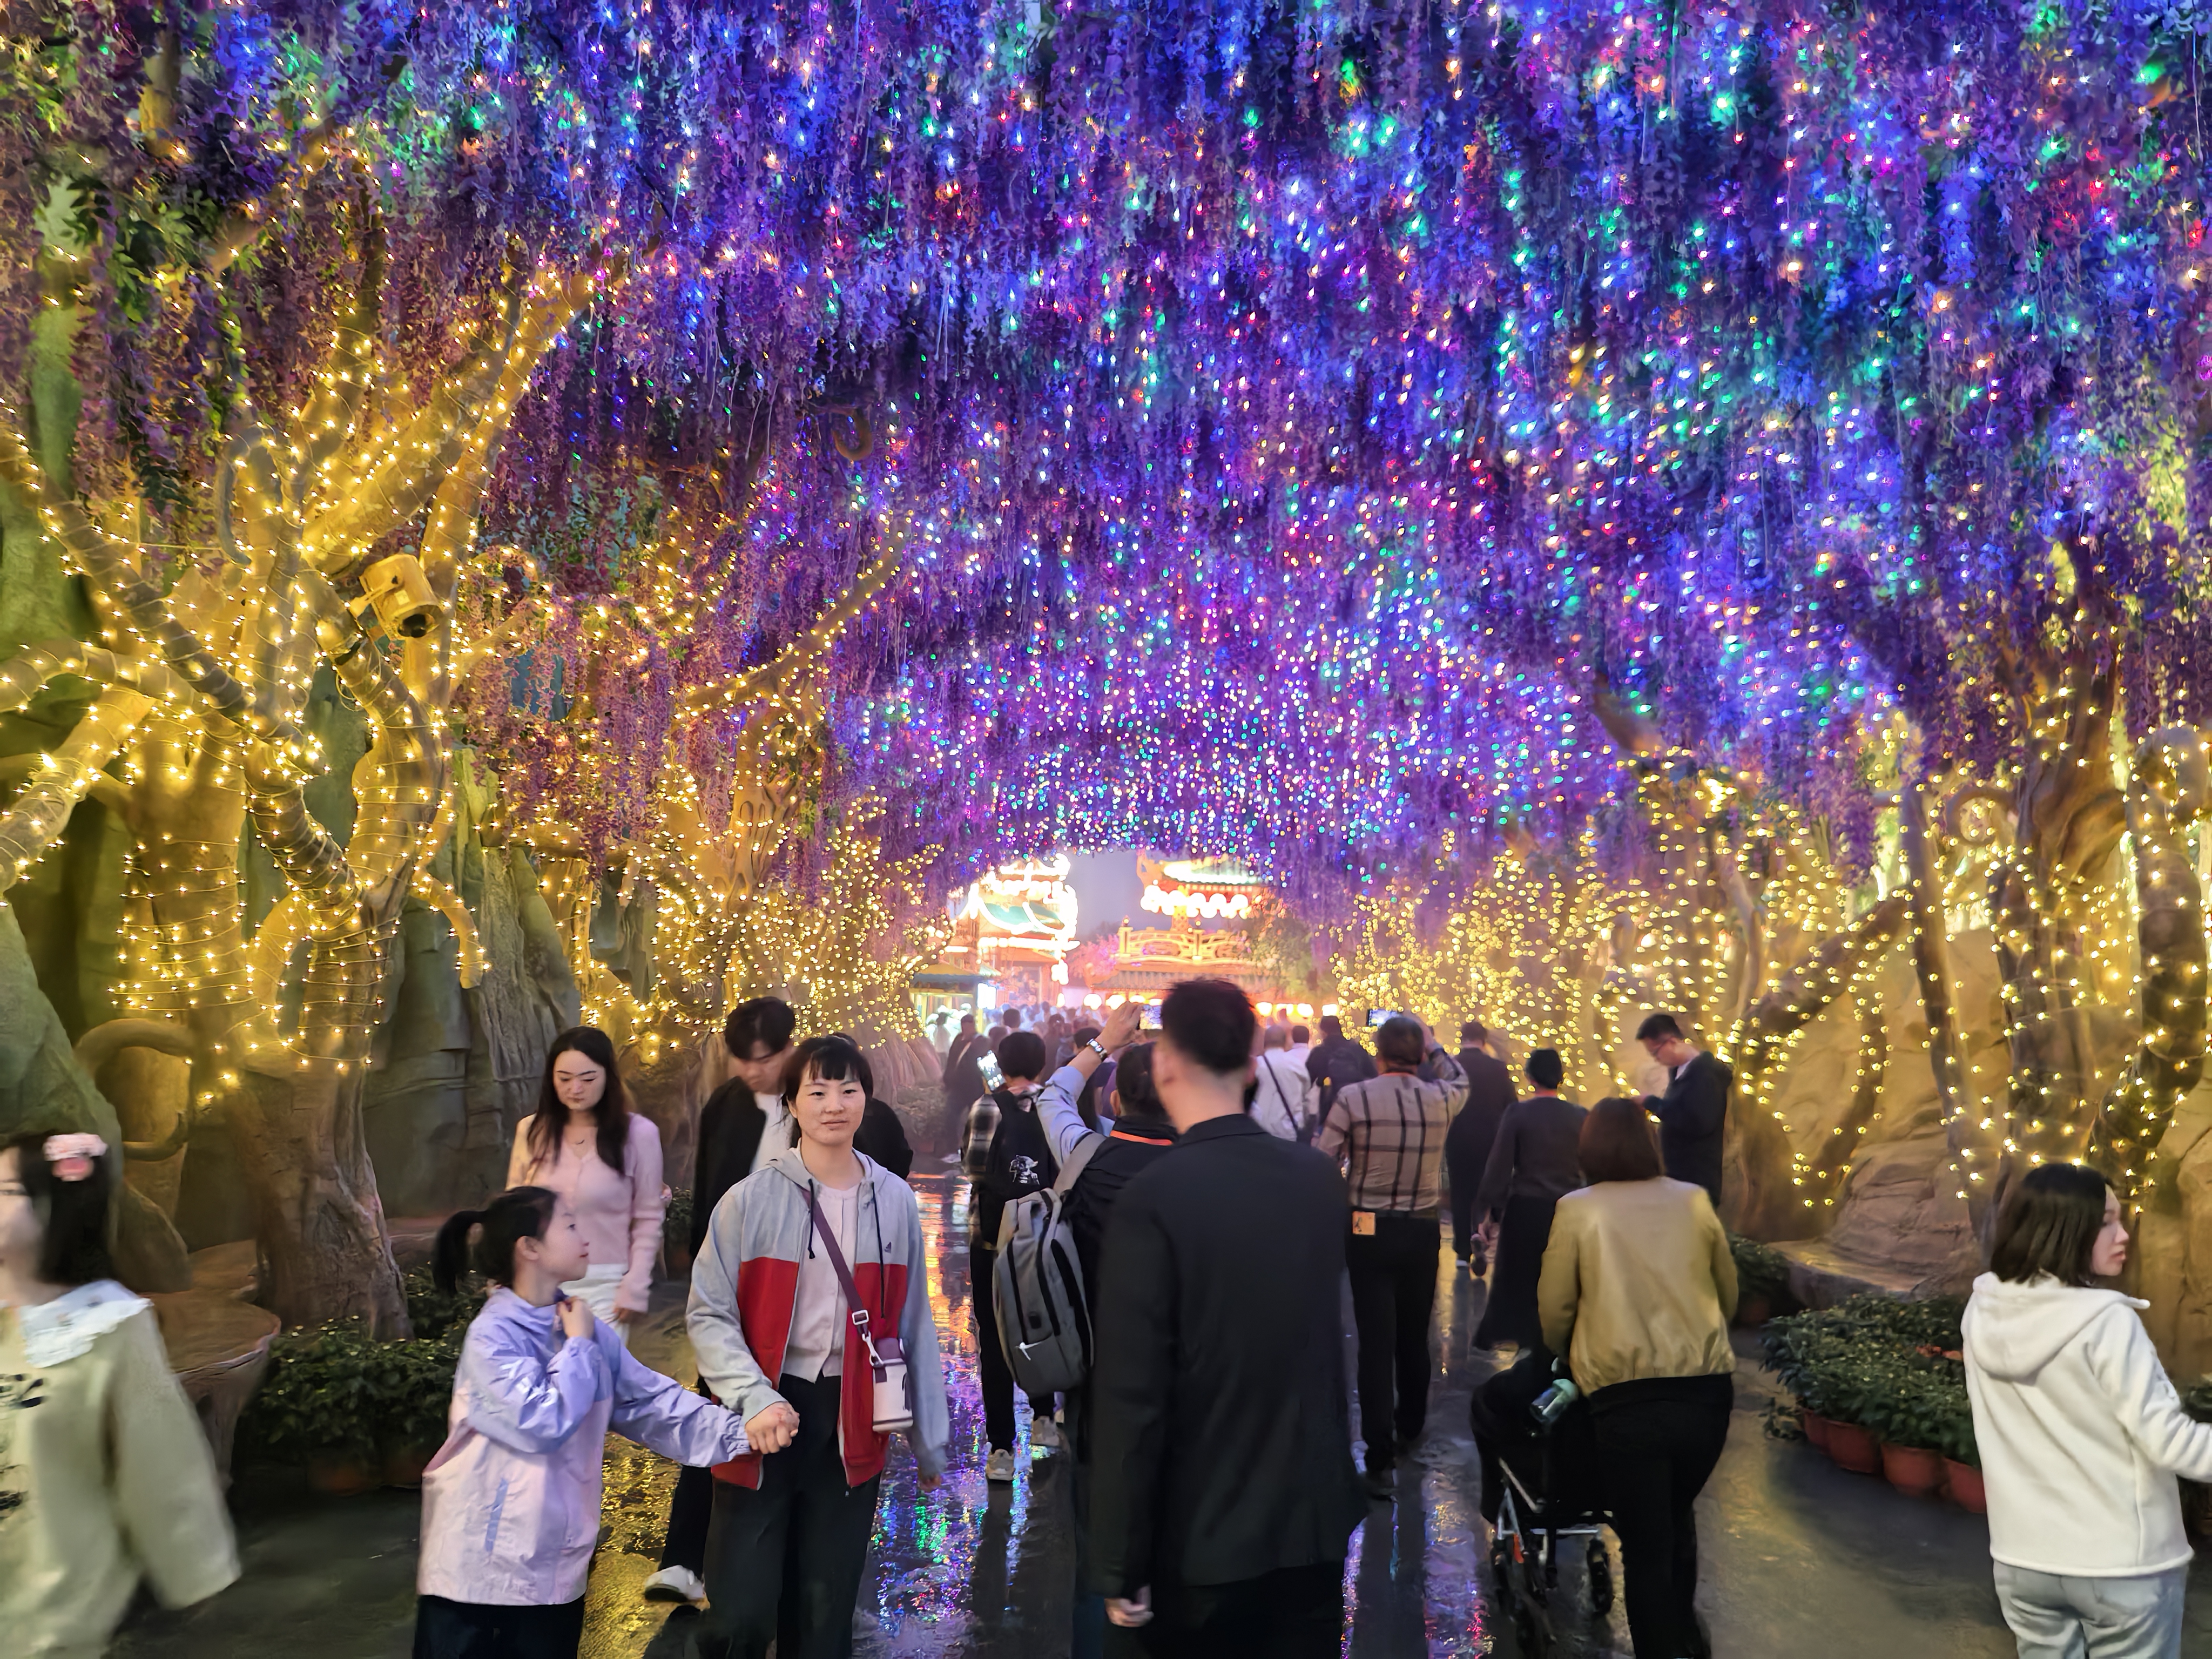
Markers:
<point>775,1134</point>
<point>1285,1097</point>
<point>818,1315</point>
<point>1298,1051</point>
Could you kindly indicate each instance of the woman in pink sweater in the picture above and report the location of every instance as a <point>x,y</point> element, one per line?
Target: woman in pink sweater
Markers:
<point>586,1144</point>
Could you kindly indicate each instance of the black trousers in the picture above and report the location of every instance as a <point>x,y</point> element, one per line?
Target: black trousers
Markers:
<point>1394,1296</point>
<point>784,1560</point>
<point>1510,1315</point>
<point>1657,1441</point>
<point>691,1506</point>
<point>476,1630</point>
<point>1294,1613</point>
<point>998,1376</point>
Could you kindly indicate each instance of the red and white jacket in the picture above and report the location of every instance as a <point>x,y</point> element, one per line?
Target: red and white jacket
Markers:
<point>744,1283</point>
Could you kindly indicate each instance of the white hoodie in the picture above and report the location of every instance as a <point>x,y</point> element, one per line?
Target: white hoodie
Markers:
<point>2081,1433</point>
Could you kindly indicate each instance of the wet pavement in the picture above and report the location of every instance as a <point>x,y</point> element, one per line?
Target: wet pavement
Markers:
<point>1799,1558</point>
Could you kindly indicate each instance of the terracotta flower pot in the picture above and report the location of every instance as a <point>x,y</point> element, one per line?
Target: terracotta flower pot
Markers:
<point>403,1465</point>
<point>342,1476</point>
<point>1913,1470</point>
<point>1753,1310</point>
<point>1854,1449</point>
<point>1962,1483</point>
<point>1816,1427</point>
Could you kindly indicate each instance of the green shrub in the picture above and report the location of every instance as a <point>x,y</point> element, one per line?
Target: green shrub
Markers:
<point>1892,1367</point>
<point>2197,1399</point>
<point>675,1225</point>
<point>333,1391</point>
<point>1761,1270</point>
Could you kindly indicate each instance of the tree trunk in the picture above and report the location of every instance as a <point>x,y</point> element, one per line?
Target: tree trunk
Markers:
<point>1780,1195</point>
<point>2166,791</point>
<point>298,1134</point>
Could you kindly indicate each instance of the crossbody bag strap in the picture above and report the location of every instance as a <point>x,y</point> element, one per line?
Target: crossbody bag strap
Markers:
<point>858,1314</point>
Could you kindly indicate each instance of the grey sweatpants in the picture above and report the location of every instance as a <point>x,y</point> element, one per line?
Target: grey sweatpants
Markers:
<point>2055,1618</point>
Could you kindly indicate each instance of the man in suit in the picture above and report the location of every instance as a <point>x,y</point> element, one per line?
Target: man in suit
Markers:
<point>1693,1112</point>
<point>1224,1492</point>
<point>743,1125</point>
<point>1473,1132</point>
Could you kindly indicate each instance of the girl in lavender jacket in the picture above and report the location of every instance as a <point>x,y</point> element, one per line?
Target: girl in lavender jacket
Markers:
<point>511,1501</point>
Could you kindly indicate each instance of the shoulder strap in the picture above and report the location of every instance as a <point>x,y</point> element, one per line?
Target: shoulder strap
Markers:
<point>859,1312</point>
<point>1072,1169</point>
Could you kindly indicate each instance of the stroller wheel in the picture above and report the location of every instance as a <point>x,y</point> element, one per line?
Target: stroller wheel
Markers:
<point>1601,1579</point>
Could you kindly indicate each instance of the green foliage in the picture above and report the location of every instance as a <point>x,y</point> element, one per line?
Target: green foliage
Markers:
<point>676,1223</point>
<point>1889,1366</point>
<point>334,1391</point>
<point>2197,1399</point>
<point>1760,1270</point>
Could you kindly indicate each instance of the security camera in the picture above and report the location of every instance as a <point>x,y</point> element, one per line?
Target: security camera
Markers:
<point>399,593</point>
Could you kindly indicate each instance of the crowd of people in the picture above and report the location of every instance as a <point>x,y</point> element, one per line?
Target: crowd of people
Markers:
<point>1164,1231</point>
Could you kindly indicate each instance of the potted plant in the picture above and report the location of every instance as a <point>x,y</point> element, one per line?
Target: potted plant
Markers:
<point>1762,1280</point>
<point>315,1408</point>
<point>355,1412</point>
<point>1913,1420</point>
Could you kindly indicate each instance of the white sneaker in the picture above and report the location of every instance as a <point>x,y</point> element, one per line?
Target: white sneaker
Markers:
<point>999,1466</point>
<point>1044,1434</point>
<point>676,1585</point>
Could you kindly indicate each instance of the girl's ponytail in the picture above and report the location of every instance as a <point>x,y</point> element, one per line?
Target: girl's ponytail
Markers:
<point>517,1213</point>
<point>449,1254</point>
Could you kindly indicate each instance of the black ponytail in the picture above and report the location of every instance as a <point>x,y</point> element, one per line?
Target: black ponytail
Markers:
<point>517,1213</point>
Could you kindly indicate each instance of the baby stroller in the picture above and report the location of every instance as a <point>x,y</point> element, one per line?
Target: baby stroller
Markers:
<point>1539,1492</point>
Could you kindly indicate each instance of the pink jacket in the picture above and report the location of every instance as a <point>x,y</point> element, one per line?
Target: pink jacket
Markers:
<point>618,1212</point>
<point>511,1501</point>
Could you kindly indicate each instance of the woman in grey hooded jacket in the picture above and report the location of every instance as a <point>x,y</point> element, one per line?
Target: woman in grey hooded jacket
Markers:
<point>2080,1431</point>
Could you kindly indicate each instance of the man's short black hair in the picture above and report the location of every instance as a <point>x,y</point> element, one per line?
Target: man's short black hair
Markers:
<point>1299,1034</point>
<point>1656,1026</point>
<point>764,1022</point>
<point>1401,1040</point>
<point>1021,1054</point>
<point>1212,1022</point>
<point>1331,1026</point>
<point>1011,1018</point>
<point>1474,1033</point>
<point>1544,1068</point>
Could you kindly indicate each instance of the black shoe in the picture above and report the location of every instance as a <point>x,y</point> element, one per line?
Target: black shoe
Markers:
<point>1383,1482</point>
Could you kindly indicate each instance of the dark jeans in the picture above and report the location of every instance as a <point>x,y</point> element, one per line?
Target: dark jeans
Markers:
<point>784,1561</point>
<point>474,1630</point>
<point>691,1506</point>
<point>1293,1613</point>
<point>1658,1441</point>
<point>997,1375</point>
<point>1509,1315</point>
<point>1394,1293</point>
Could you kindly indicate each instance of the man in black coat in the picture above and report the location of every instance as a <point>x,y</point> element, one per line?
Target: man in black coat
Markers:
<point>964,1081</point>
<point>881,1136</point>
<point>1224,1492</point>
<point>1693,1112</point>
<point>1472,1133</point>
<point>1336,1062</point>
<point>735,1121</point>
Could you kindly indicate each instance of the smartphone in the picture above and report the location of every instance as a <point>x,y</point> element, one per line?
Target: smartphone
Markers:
<point>987,1063</point>
<point>1376,1015</point>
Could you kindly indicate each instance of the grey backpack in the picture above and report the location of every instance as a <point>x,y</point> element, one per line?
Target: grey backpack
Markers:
<point>1044,1317</point>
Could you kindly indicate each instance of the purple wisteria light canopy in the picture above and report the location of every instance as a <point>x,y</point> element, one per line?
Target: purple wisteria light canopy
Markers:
<point>1284,417</point>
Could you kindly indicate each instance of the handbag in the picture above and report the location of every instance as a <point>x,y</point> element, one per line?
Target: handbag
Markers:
<point>894,1390</point>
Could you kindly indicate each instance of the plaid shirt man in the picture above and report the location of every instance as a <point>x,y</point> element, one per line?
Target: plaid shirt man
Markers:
<point>1389,1131</point>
